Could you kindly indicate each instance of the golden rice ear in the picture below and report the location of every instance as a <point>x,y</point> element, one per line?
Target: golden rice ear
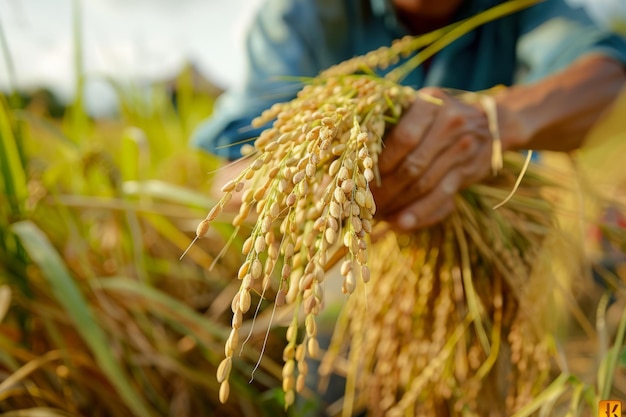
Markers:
<point>309,185</point>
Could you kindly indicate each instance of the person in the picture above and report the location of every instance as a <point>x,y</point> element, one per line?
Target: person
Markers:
<point>560,70</point>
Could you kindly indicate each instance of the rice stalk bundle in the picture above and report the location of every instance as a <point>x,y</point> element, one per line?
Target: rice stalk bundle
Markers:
<point>309,182</point>
<point>447,324</point>
<point>442,302</point>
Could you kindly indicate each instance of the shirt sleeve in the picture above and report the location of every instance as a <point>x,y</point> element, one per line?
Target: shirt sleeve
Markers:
<point>554,34</point>
<point>286,39</point>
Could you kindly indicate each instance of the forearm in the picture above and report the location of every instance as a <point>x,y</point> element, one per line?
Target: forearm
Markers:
<point>557,112</point>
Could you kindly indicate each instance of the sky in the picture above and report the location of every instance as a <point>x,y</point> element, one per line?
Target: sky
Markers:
<point>132,40</point>
<point>139,41</point>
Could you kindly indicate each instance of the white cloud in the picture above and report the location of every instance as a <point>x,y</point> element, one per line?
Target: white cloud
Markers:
<point>132,40</point>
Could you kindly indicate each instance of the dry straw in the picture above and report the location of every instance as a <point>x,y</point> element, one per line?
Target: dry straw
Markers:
<point>446,319</point>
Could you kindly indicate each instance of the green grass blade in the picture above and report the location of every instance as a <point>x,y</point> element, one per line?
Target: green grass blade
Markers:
<point>9,68</point>
<point>11,168</point>
<point>551,393</point>
<point>610,362</point>
<point>77,109</point>
<point>5,300</point>
<point>575,407</point>
<point>168,192</point>
<point>69,296</point>
<point>166,306</point>
<point>474,305</point>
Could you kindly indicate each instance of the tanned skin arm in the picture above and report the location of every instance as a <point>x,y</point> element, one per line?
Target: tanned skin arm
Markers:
<point>437,150</point>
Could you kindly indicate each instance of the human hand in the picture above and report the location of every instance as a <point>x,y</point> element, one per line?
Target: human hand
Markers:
<point>434,151</point>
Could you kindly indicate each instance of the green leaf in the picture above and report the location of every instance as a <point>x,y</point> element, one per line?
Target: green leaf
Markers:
<point>68,294</point>
<point>614,356</point>
<point>131,153</point>
<point>5,300</point>
<point>165,306</point>
<point>547,396</point>
<point>169,192</point>
<point>11,168</point>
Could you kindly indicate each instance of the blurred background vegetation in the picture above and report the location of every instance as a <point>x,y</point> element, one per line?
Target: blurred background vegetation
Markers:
<point>98,315</point>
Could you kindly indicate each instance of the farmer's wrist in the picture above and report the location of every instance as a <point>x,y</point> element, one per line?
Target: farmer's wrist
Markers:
<point>516,126</point>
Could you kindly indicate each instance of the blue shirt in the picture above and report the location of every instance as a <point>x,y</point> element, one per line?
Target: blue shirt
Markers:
<point>303,37</point>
